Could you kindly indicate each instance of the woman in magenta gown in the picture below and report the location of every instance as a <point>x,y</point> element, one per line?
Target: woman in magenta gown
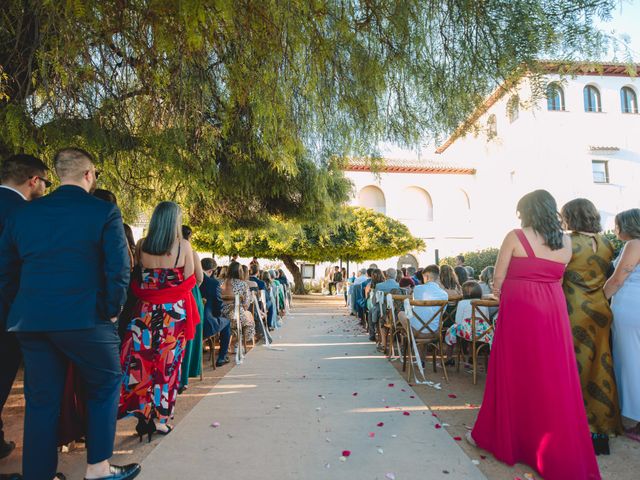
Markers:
<point>533,412</point>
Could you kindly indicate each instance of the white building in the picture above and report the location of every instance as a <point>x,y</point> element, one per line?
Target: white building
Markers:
<point>579,138</point>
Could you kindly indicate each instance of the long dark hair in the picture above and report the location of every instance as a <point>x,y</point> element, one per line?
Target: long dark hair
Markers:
<point>235,271</point>
<point>628,222</point>
<point>538,210</point>
<point>449,278</point>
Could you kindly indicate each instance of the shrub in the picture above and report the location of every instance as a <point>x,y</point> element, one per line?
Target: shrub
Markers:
<point>617,244</point>
<point>478,260</point>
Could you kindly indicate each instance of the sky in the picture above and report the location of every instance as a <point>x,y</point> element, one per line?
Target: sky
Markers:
<point>625,23</point>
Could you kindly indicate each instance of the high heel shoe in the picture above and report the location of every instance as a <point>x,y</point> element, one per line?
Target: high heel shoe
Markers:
<point>145,427</point>
<point>162,432</point>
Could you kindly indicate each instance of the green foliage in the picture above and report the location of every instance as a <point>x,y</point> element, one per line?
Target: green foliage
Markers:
<point>478,260</point>
<point>615,241</point>
<point>360,234</point>
<point>242,109</point>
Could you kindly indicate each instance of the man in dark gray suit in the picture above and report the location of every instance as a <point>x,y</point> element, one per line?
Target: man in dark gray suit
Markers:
<point>24,178</point>
<point>73,276</point>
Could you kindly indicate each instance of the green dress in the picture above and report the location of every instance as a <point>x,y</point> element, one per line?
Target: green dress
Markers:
<point>591,319</point>
<point>192,361</point>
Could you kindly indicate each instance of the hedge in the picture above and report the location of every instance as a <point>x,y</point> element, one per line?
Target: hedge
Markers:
<point>478,260</point>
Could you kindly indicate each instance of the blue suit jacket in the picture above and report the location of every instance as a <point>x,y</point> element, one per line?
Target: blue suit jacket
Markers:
<point>213,321</point>
<point>73,263</point>
<point>9,201</point>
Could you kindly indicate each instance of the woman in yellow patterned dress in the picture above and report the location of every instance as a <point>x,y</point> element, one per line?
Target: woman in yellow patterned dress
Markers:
<point>591,319</point>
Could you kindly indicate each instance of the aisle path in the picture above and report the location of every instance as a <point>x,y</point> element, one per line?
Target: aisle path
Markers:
<point>290,414</point>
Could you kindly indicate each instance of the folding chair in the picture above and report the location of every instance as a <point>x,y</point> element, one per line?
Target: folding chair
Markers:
<point>394,305</point>
<point>236,325</point>
<point>428,334</point>
<point>480,341</point>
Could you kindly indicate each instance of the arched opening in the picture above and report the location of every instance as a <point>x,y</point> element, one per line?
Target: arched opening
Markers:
<point>420,205</point>
<point>628,100</point>
<point>592,99</point>
<point>407,261</point>
<point>372,197</point>
<point>555,97</point>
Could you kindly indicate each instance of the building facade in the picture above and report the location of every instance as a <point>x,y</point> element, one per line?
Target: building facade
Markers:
<point>574,135</point>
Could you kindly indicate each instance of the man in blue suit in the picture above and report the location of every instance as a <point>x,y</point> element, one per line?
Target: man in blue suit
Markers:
<point>24,178</point>
<point>213,321</point>
<point>73,267</point>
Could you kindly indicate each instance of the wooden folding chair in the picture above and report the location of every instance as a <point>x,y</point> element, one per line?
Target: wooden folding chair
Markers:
<point>240,338</point>
<point>480,341</point>
<point>428,334</point>
<point>391,323</point>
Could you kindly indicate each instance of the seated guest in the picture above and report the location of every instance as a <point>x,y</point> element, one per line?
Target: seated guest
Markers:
<point>623,288</point>
<point>460,263</point>
<point>416,275</point>
<point>362,276</point>
<point>429,289</point>
<point>234,285</point>
<point>449,281</point>
<point>462,274</point>
<point>407,281</point>
<point>247,278</point>
<point>389,283</point>
<point>254,272</point>
<point>486,280</point>
<point>213,321</point>
<point>471,290</point>
<point>373,312</point>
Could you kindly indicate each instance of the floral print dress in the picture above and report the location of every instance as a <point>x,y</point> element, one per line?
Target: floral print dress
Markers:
<point>152,351</point>
<point>462,327</point>
<point>238,287</point>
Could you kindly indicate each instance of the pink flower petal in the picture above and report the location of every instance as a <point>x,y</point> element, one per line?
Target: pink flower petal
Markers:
<point>434,415</point>
<point>381,424</point>
<point>457,439</point>
<point>391,385</point>
<point>402,390</point>
<point>453,395</point>
<point>483,457</point>
<point>371,434</point>
<point>438,426</point>
<point>412,396</point>
<point>355,394</point>
<point>387,406</point>
<point>406,414</point>
<point>346,453</point>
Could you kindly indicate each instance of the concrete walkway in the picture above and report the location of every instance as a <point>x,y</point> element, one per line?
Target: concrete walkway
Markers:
<point>290,414</point>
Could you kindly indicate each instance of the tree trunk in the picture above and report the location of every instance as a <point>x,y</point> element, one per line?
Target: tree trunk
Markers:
<point>290,263</point>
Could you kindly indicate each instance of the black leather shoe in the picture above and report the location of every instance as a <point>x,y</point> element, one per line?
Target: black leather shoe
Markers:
<point>6,448</point>
<point>10,476</point>
<point>122,473</point>
<point>222,361</point>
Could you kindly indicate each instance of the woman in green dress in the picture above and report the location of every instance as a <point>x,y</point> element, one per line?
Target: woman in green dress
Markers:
<point>192,360</point>
<point>591,319</point>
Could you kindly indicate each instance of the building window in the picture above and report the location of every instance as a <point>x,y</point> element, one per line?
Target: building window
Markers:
<point>555,97</point>
<point>308,271</point>
<point>600,170</point>
<point>372,197</point>
<point>628,100</point>
<point>592,99</point>
<point>492,127</point>
<point>513,108</point>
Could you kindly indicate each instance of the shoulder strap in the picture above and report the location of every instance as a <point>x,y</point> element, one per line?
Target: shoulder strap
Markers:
<point>525,243</point>
<point>178,256</point>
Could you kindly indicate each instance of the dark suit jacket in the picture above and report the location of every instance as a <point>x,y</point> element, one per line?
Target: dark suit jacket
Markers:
<point>213,321</point>
<point>74,263</point>
<point>261,284</point>
<point>9,201</point>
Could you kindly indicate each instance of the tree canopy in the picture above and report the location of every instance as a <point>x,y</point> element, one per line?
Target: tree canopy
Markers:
<point>234,107</point>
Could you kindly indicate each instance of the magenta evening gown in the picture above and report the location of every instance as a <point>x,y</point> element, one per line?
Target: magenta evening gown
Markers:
<point>532,411</point>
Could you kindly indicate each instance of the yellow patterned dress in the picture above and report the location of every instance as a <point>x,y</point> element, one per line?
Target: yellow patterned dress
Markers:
<point>591,319</point>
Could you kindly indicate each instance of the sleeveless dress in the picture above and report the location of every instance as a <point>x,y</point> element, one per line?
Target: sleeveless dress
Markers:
<point>532,410</point>
<point>152,351</point>
<point>626,343</point>
<point>591,317</point>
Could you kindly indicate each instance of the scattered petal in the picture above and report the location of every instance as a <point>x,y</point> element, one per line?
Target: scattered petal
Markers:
<point>380,451</point>
<point>343,459</point>
<point>453,395</point>
<point>355,394</point>
<point>394,436</point>
<point>387,406</point>
<point>457,439</point>
<point>328,465</point>
<point>346,453</point>
<point>446,425</point>
<point>475,462</point>
<point>434,415</point>
<point>412,396</point>
<point>402,390</point>
<point>371,434</point>
<point>328,440</point>
<point>483,457</point>
<point>406,414</point>
<point>438,426</point>
<point>277,407</point>
<point>391,385</point>
<point>318,409</point>
<point>381,424</point>
<point>390,476</point>
<point>215,424</point>
<point>446,472</point>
